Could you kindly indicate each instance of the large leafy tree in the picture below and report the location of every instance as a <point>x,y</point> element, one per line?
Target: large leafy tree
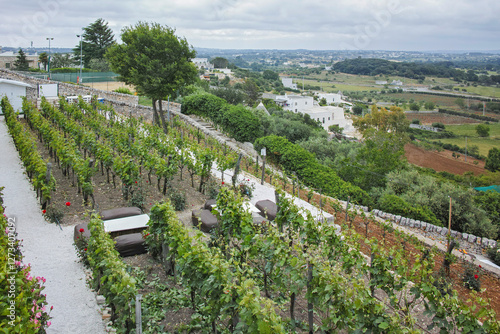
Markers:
<point>155,61</point>
<point>21,63</point>
<point>97,38</point>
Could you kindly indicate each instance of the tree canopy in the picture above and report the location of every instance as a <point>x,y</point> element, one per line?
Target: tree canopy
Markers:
<point>21,63</point>
<point>154,60</point>
<point>219,62</point>
<point>97,38</point>
<point>44,59</point>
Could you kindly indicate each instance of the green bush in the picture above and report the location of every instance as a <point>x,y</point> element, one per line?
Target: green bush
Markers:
<point>238,121</point>
<point>398,206</point>
<point>123,90</point>
<point>294,158</point>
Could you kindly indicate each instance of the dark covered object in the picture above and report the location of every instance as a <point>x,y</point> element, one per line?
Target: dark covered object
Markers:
<point>120,213</point>
<point>130,244</point>
<point>86,232</point>
<point>204,219</point>
<point>267,209</point>
<point>209,204</point>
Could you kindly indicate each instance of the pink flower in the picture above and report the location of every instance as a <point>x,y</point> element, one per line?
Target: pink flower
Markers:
<point>49,323</point>
<point>38,315</point>
<point>6,230</point>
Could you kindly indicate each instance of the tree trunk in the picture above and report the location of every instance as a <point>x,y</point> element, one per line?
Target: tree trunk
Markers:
<point>156,120</point>
<point>162,116</point>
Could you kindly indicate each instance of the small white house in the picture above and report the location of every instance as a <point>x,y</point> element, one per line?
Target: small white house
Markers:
<point>288,83</point>
<point>15,91</point>
<point>331,97</point>
<point>328,115</point>
<point>295,103</point>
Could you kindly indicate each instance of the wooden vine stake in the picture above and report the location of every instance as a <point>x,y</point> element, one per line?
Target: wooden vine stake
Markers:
<point>236,170</point>
<point>310,306</point>
<point>138,314</point>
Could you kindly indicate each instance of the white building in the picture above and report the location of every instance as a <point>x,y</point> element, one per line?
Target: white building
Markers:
<point>328,115</point>
<point>202,62</point>
<point>15,91</point>
<point>331,98</point>
<point>288,83</point>
<point>295,103</point>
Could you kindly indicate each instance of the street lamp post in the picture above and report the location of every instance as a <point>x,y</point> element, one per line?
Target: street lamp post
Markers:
<point>49,39</point>
<point>81,55</point>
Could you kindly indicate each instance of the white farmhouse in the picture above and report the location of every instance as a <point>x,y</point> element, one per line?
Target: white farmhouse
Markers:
<point>15,91</point>
<point>331,98</point>
<point>328,115</point>
<point>295,103</point>
<point>202,62</point>
<point>288,83</point>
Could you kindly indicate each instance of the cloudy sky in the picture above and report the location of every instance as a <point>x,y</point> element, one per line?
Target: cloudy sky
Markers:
<point>268,24</point>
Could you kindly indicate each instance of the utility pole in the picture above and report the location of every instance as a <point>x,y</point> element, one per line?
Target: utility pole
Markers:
<point>49,39</point>
<point>81,55</point>
<point>465,148</point>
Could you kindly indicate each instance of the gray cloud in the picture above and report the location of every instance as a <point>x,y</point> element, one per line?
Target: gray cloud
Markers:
<point>321,24</point>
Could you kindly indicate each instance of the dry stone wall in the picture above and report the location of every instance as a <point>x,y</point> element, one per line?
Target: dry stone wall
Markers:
<point>67,89</point>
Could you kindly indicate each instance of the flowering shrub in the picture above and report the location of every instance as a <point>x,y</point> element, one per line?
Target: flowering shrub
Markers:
<point>246,188</point>
<point>471,276</point>
<point>24,307</point>
<point>81,245</point>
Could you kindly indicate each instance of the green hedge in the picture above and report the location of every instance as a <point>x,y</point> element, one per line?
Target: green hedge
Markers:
<point>398,206</point>
<point>237,121</point>
<point>296,159</point>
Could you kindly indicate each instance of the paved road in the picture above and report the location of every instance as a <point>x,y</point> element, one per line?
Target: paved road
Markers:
<point>48,248</point>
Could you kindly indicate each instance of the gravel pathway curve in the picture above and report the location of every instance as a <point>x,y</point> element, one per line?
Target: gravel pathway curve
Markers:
<point>49,249</point>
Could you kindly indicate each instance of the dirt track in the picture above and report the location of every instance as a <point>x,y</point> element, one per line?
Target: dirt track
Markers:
<point>442,161</point>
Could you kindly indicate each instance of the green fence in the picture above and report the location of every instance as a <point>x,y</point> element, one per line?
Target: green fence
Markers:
<point>87,77</point>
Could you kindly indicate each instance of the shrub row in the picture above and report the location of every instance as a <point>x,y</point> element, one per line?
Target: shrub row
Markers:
<point>456,148</point>
<point>469,115</point>
<point>110,276</point>
<point>25,143</point>
<point>237,121</point>
<point>294,158</point>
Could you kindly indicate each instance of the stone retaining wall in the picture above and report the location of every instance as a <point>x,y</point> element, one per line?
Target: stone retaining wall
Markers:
<point>66,88</point>
<point>467,241</point>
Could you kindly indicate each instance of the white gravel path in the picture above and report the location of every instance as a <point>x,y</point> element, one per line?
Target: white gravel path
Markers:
<point>49,249</point>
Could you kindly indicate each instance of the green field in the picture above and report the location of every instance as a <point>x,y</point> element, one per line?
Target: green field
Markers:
<point>483,91</point>
<point>469,130</point>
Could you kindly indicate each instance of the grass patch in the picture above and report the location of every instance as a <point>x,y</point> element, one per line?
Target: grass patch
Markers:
<point>483,90</point>
<point>469,130</point>
<point>145,101</point>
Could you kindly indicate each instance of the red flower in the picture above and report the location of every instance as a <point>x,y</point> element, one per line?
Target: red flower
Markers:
<point>135,181</point>
<point>480,266</point>
<point>222,182</point>
<point>146,181</point>
<point>82,230</point>
<point>44,211</point>
<point>68,203</point>
<point>476,277</point>
<point>85,249</point>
